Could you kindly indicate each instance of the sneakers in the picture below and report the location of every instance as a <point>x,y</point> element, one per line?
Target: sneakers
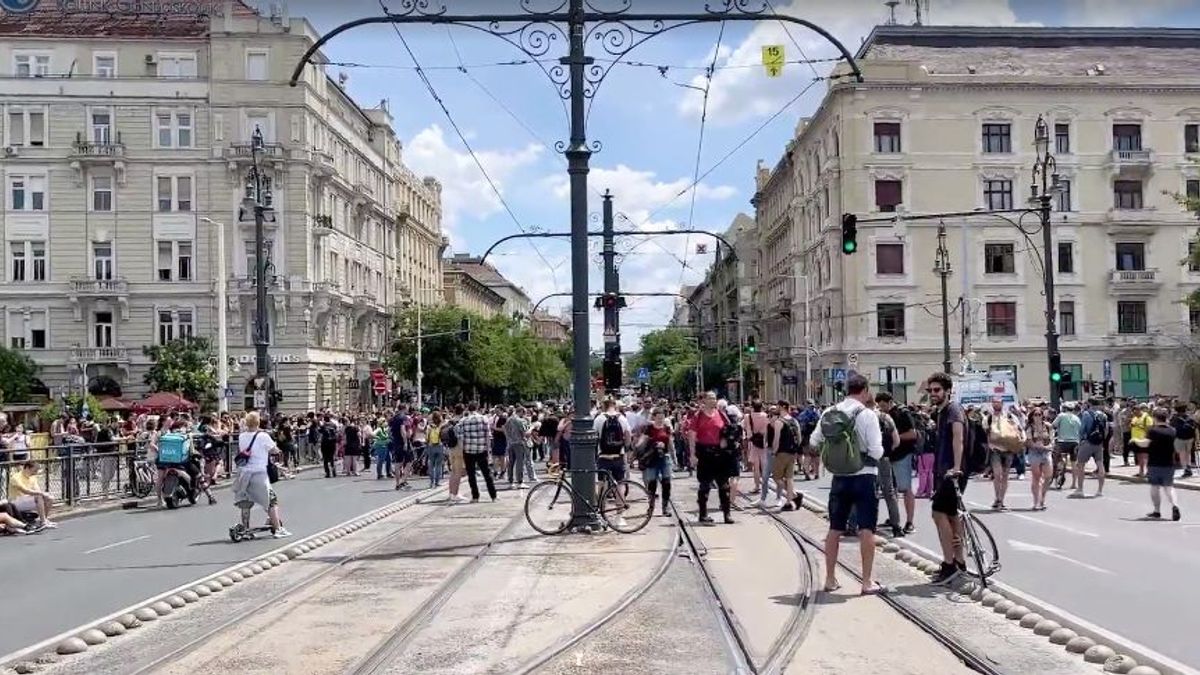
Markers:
<point>1175,515</point>
<point>1187,473</point>
<point>707,520</point>
<point>728,519</point>
<point>946,574</point>
<point>49,524</point>
<point>1154,515</point>
<point>32,528</point>
<point>798,500</point>
<point>665,512</point>
<point>908,528</point>
<point>282,533</point>
<point>788,507</point>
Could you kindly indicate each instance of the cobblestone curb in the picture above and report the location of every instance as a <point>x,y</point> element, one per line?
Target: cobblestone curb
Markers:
<point>78,640</point>
<point>1093,643</point>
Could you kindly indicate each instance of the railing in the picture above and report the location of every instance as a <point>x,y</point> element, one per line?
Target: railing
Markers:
<point>246,151</point>
<point>1135,276</point>
<point>99,287</point>
<point>92,150</point>
<point>322,225</point>
<point>99,354</point>
<point>1132,156</point>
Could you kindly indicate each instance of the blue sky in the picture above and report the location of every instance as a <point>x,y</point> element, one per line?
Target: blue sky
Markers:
<point>648,124</point>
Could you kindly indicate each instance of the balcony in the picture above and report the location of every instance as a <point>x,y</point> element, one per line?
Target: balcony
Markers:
<point>90,152</point>
<point>1131,162</point>
<point>365,188</point>
<point>90,355</point>
<point>248,284</point>
<point>322,226</point>
<point>243,154</point>
<point>83,290</point>
<point>1134,281</point>
<point>322,163</point>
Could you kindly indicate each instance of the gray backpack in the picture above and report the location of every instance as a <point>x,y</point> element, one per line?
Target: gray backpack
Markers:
<point>841,450</point>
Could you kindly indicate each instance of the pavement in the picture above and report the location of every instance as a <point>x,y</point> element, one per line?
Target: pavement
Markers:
<point>92,566</point>
<point>1129,474</point>
<point>1096,558</point>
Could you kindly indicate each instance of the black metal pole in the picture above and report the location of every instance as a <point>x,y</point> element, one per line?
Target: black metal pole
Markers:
<point>583,438</point>
<point>612,287</point>
<point>1048,282</point>
<point>261,341</point>
<point>941,265</point>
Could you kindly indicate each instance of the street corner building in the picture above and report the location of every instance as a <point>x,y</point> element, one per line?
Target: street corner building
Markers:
<point>126,138</point>
<point>945,122</point>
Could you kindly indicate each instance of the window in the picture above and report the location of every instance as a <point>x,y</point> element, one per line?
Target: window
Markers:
<point>1135,380</point>
<point>27,126</point>
<point>173,128</point>
<point>890,316</point>
<point>187,327</point>
<point>1192,264</point>
<point>252,258</point>
<point>102,334</point>
<point>31,65</point>
<point>1192,190</point>
<point>1062,138</point>
<point>997,138</point>
<point>174,261</point>
<point>256,65</point>
<point>174,193</point>
<point>1066,317</point>
<point>176,65</point>
<point>27,330</point>
<point>1063,196</point>
<point>889,258</point>
<point>1001,319</point>
<point>887,195</point>
<point>102,193</point>
<point>1194,319</point>
<point>887,137</point>
<point>104,65</point>
<point>166,327</point>
<point>1127,194</point>
<point>1066,257</point>
<point>102,126</point>
<point>999,259</point>
<point>27,193</point>
<point>102,261</point>
<point>1127,137</point>
<point>1131,317</point>
<point>998,194</point>
<point>27,259</point>
<point>1191,138</point>
<point>1131,256</point>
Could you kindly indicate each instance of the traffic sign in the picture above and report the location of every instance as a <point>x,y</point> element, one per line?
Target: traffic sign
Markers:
<point>1107,369</point>
<point>643,374</point>
<point>853,359</point>
<point>260,399</point>
<point>839,374</point>
<point>229,392</point>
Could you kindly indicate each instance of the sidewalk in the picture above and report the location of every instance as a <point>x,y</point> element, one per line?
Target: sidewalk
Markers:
<point>1128,474</point>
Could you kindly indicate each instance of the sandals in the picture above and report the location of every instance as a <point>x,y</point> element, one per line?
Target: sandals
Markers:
<point>831,588</point>
<point>875,589</point>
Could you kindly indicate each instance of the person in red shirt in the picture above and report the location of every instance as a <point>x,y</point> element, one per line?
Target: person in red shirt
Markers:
<point>714,463</point>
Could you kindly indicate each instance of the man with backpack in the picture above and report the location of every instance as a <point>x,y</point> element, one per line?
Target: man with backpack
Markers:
<point>850,441</point>
<point>613,431</point>
<point>1093,431</point>
<point>1185,437</point>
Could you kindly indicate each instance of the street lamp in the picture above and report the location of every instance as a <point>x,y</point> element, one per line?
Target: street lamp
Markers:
<point>1044,185</point>
<point>941,267</point>
<point>222,339</point>
<point>261,195</point>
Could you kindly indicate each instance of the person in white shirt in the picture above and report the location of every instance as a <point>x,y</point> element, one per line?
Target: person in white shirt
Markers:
<point>251,485</point>
<point>854,491</point>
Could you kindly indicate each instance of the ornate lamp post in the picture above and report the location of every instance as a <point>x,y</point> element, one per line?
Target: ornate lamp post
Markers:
<point>1044,185</point>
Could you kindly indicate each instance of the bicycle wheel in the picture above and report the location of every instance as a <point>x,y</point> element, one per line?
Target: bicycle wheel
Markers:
<point>548,507</point>
<point>980,547</point>
<point>626,506</point>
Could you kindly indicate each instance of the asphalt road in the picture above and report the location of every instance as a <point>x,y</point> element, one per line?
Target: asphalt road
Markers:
<point>98,564</point>
<point>1098,559</point>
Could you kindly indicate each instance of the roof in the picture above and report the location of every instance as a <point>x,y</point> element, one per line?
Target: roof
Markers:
<point>481,271</point>
<point>1122,53</point>
<point>50,19</point>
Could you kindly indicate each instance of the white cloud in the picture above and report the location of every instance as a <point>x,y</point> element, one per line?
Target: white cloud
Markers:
<point>745,91</point>
<point>641,193</point>
<point>1119,12</point>
<point>465,191</point>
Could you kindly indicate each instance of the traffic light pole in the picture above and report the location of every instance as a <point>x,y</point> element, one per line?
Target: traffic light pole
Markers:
<point>612,311</point>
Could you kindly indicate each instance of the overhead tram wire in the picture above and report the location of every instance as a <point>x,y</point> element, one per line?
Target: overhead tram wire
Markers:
<point>467,144</point>
<point>708,75</point>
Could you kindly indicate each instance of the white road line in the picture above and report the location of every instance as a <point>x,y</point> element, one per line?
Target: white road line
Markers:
<point>119,543</point>
<point>1039,521</point>
<point>1053,553</point>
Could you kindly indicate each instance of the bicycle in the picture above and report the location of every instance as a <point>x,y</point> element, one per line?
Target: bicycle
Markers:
<point>624,506</point>
<point>978,543</point>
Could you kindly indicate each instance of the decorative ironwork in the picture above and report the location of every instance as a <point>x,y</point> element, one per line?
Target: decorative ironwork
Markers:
<point>417,8</point>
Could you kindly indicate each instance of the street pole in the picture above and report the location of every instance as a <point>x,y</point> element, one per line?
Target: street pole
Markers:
<point>583,438</point>
<point>612,288</point>
<point>1046,170</point>
<point>420,370</point>
<point>941,266</point>
<point>807,340</point>
<point>222,320</point>
<point>261,355</point>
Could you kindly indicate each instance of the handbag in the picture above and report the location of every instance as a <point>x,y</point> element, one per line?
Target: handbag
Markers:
<point>1005,435</point>
<point>243,456</point>
<point>272,472</point>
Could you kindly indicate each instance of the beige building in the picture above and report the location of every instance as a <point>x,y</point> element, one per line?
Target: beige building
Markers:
<point>555,330</point>
<point>119,149</point>
<point>945,122</point>
<point>516,302</point>
<point>464,289</point>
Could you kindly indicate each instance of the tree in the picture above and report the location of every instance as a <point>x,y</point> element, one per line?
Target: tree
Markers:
<point>671,356</point>
<point>74,405</point>
<point>185,366</point>
<point>17,372</point>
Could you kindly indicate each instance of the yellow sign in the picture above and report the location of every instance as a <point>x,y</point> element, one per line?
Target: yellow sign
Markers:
<point>773,59</point>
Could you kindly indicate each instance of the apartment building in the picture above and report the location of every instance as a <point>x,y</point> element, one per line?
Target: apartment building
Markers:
<point>516,302</point>
<point>945,123</point>
<point>466,290</point>
<point>126,141</point>
<point>551,329</point>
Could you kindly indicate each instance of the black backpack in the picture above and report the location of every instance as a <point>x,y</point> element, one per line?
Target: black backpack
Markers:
<point>731,435</point>
<point>789,435</point>
<point>1099,430</point>
<point>612,436</point>
<point>449,436</point>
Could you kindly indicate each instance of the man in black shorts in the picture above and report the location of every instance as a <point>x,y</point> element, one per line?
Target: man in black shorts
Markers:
<point>948,475</point>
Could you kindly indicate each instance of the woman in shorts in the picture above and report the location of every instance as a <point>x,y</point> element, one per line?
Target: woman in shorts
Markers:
<point>1039,439</point>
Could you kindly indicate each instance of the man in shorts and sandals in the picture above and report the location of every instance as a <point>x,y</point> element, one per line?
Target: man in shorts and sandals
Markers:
<point>785,444</point>
<point>1093,434</point>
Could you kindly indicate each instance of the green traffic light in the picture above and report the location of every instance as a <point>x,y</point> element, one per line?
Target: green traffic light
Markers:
<point>1056,377</point>
<point>849,246</point>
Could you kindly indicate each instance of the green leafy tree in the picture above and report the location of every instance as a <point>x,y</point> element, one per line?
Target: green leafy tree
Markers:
<point>671,355</point>
<point>184,366</point>
<point>17,372</point>
<point>74,405</point>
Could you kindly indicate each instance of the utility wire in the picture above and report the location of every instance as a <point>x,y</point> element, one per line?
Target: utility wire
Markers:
<point>788,32</point>
<point>662,67</point>
<point>467,144</point>
<point>708,75</point>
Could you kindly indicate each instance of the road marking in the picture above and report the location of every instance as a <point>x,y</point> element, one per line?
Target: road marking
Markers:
<point>1057,526</point>
<point>1053,553</point>
<point>119,543</point>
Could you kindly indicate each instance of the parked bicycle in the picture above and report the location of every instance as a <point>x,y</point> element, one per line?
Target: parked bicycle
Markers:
<point>979,546</point>
<point>624,506</point>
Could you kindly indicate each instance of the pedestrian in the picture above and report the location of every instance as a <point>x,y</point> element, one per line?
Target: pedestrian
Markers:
<point>435,452</point>
<point>353,437</point>
<point>1185,437</point>
<point>516,435</point>
<point>1006,438</point>
<point>400,433</point>
<point>850,433</point>
<point>760,467</point>
<point>499,443</point>
<point>900,458</point>
<point>1068,429</point>
<point>1160,465</point>
<point>654,457</point>
<point>1139,428</point>
<point>380,445</point>
<point>1095,432</point>
<point>786,437</point>
<point>1039,438</point>
<point>450,440</point>
<point>886,480</point>
<point>925,458</point>
<point>329,440</point>
<point>949,477</point>
<point>614,436</point>
<point>474,433</point>
<point>715,462</point>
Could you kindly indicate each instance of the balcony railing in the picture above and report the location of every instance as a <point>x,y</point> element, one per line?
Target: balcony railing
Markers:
<point>84,150</point>
<point>1135,276</point>
<point>1131,156</point>
<point>245,151</point>
<point>101,287</point>
<point>322,225</point>
<point>99,354</point>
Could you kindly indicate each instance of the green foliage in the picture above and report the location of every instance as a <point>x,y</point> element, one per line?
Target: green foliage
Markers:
<point>500,360</point>
<point>184,366</point>
<point>1193,256</point>
<point>17,372</point>
<point>671,356</point>
<point>75,406</point>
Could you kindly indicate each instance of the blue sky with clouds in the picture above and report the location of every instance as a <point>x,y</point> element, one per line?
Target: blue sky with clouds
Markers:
<point>646,117</point>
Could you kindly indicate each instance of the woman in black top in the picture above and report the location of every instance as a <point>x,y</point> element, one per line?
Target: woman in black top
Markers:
<point>353,446</point>
<point>1160,465</point>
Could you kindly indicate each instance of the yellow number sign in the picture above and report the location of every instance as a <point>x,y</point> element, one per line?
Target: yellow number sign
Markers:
<point>773,59</point>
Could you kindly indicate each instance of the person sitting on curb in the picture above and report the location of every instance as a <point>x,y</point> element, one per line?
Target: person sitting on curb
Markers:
<point>11,523</point>
<point>27,496</point>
